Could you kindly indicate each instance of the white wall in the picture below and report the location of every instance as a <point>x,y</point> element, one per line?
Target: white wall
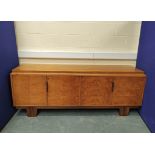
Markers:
<point>113,37</point>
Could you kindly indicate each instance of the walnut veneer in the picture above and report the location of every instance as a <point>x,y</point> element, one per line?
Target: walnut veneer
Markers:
<point>77,86</point>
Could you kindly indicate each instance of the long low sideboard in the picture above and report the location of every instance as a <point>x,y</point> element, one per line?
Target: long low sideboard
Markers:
<point>42,86</point>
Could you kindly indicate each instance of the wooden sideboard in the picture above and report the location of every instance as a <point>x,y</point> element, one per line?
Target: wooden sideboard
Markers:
<point>36,86</point>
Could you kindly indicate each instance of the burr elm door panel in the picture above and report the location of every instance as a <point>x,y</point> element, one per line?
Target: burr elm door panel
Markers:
<point>96,91</point>
<point>128,91</point>
<point>63,90</point>
<point>29,90</point>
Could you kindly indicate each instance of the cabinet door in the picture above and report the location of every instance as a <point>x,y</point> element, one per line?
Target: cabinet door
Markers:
<point>128,91</point>
<point>63,90</point>
<point>29,90</point>
<point>96,91</point>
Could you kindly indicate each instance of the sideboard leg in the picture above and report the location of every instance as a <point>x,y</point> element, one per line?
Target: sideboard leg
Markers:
<point>31,111</point>
<point>124,111</point>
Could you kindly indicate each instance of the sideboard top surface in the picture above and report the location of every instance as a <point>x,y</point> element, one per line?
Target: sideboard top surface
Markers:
<point>57,68</point>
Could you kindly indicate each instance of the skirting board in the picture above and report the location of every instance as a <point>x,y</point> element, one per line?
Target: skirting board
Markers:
<point>78,55</point>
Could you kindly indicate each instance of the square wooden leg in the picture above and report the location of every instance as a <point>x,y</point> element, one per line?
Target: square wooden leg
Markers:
<point>31,112</point>
<point>124,111</point>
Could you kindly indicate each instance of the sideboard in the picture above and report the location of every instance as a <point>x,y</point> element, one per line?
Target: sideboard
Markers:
<point>42,86</point>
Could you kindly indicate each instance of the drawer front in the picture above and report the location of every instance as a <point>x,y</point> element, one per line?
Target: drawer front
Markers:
<point>128,90</point>
<point>63,90</point>
<point>29,90</point>
<point>95,91</point>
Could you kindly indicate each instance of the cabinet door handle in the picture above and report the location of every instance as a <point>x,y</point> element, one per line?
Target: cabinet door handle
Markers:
<point>113,85</point>
<point>47,85</point>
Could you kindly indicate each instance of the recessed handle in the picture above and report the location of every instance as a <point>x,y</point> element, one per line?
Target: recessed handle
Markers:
<point>113,85</point>
<point>47,85</point>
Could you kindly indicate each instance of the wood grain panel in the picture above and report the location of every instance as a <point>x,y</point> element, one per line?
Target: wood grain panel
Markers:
<point>129,83</point>
<point>95,91</point>
<point>128,91</point>
<point>29,90</point>
<point>126,100</point>
<point>63,90</point>
<point>59,68</point>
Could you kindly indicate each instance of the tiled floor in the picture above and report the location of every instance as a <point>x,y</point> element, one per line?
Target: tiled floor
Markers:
<point>77,121</point>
